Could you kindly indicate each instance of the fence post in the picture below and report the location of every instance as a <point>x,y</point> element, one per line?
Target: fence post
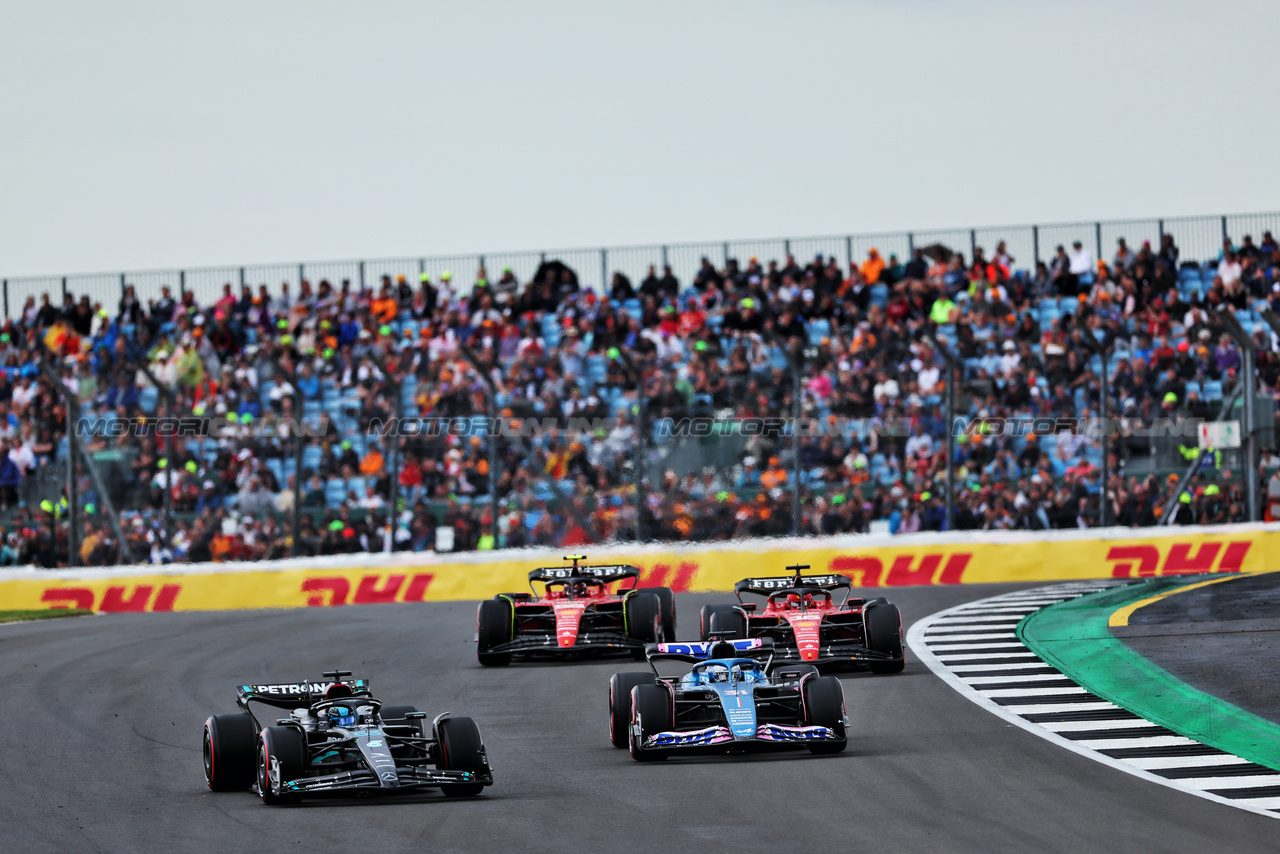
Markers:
<point>726,253</point>
<point>786,247</point>
<point>362,275</point>
<point>64,288</point>
<point>1097,239</point>
<point>1160,226</point>
<point>182,282</point>
<point>665,262</point>
<point>973,244</point>
<point>1225,236</point>
<point>302,273</point>
<point>848,249</point>
<point>911,244</point>
<point>604,275</point>
<point>1035,242</point>
<point>122,287</point>
<point>242,277</point>
<point>6,297</point>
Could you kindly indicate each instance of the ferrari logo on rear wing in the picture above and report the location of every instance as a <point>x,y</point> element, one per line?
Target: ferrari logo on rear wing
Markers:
<point>599,573</point>
<point>765,586</point>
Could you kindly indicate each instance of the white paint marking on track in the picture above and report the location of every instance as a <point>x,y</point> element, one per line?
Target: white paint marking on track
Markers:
<point>986,668</point>
<point>1098,726</point>
<point>940,638</point>
<point>1059,708</point>
<point>1246,782</point>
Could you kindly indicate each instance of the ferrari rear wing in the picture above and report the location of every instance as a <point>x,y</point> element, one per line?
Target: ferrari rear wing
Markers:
<point>769,586</point>
<point>603,574</point>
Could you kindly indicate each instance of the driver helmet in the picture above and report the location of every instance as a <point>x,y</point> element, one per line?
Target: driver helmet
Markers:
<point>341,716</point>
<point>581,588</point>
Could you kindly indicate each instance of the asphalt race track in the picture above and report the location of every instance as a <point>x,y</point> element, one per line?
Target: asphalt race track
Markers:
<point>101,752</point>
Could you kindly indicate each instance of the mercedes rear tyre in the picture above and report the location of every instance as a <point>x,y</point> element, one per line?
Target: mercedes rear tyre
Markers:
<point>884,634</point>
<point>282,755</point>
<point>824,705</point>
<point>461,750</point>
<point>730,625</point>
<point>667,601</point>
<point>644,621</point>
<point>229,743</point>
<point>620,685</point>
<point>651,713</point>
<point>704,618</point>
<point>493,628</point>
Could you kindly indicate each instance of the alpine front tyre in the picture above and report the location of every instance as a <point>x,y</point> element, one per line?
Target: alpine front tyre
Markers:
<point>229,752</point>
<point>884,634</point>
<point>620,685</point>
<point>651,714</point>
<point>824,706</point>
<point>461,749</point>
<point>493,628</point>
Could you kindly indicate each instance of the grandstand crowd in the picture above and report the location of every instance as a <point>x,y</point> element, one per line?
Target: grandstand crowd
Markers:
<point>724,345</point>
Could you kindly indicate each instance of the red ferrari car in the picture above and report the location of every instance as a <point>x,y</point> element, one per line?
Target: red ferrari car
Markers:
<point>806,625</point>
<point>575,614</point>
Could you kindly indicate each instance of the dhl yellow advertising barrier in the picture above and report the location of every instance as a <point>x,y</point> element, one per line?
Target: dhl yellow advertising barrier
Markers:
<point>869,561</point>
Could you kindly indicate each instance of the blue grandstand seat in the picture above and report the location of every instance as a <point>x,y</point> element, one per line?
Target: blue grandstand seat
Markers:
<point>597,369</point>
<point>1212,390</point>
<point>1193,386</point>
<point>147,399</point>
<point>633,308</point>
<point>311,457</point>
<point>819,328</point>
<point>879,294</point>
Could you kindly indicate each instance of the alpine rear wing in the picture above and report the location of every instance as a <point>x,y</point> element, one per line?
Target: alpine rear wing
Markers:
<point>697,650</point>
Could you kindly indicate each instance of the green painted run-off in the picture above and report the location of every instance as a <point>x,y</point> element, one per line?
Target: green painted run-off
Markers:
<point>1074,637</point>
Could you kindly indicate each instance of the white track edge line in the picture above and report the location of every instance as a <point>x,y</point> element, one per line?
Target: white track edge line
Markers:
<point>915,639</point>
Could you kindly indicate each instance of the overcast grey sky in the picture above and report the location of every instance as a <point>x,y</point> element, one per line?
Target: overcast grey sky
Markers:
<point>150,134</point>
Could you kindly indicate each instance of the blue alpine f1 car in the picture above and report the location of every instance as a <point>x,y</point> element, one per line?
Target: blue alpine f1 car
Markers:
<point>729,701</point>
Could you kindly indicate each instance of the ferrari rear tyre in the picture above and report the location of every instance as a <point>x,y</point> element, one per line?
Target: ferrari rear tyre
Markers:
<point>229,744</point>
<point>651,709</point>
<point>884,634</point>
<point>729,624</point>
<point>667,601</point>
<point>282,756</point>
<point>704,618</point>
<point>644,621</point>
<point>620,685</point>
<point>493,627</point>
<point>461,750</point>
<point>824,704</point>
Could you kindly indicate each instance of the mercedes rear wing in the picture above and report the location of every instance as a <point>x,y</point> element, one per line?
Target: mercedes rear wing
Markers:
<point>290,695</point>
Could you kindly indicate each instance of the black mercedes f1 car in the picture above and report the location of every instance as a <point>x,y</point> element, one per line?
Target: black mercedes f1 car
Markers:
<point>338,740</point>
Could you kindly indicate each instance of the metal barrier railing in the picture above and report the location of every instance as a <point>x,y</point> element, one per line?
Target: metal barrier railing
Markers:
<point>1198,238</point>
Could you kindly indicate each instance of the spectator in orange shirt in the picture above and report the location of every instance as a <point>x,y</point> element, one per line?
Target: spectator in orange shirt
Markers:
<point>384,308</point>
<point>373,463</point>
<point>773,476</point>
<point>872,267</point>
